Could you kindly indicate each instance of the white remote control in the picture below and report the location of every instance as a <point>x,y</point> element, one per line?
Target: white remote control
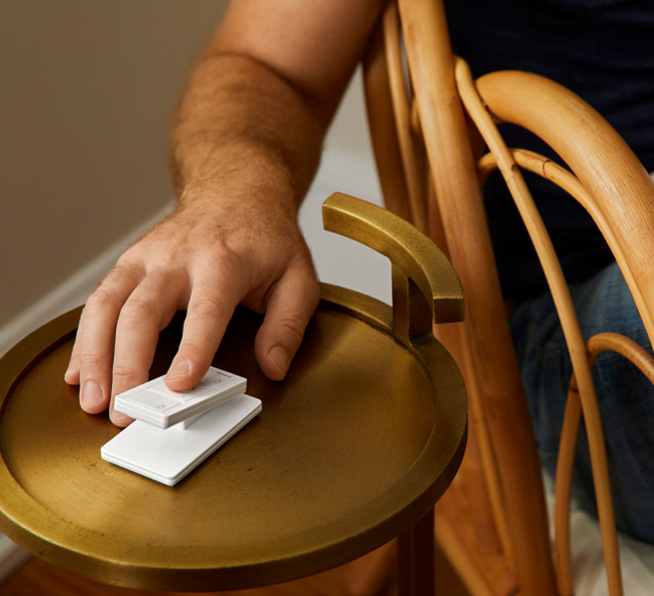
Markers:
<point>153,402</point>
<point>168,455</point>
<point>176,431</point>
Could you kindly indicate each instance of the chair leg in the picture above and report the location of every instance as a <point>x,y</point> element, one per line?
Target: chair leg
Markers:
<point>416,559</point>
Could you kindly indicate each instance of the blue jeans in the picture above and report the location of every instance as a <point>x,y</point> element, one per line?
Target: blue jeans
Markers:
<point>626,397</point>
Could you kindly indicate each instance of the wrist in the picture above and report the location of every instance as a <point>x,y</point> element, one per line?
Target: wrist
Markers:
<point>241,177</point>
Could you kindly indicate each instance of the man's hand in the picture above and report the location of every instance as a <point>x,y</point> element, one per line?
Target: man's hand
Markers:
<point>208,259</point>
<point>246,142</point>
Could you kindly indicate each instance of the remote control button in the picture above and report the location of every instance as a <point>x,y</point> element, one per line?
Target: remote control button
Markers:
<point>213,382</point>
<point>154,401</point>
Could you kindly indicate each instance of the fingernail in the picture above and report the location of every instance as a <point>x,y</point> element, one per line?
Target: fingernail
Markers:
<point>279,359</point>
<point>92,393</point>
<point>181,369</point>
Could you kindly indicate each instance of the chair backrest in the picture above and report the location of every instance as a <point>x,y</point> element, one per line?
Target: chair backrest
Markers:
<point>420,102</point>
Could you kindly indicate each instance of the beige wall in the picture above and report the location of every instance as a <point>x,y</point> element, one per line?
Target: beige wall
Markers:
<point>86,97</point>
<point>87,90</point>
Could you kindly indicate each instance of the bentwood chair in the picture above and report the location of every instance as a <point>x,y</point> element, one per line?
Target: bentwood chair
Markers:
<point>428,119</point>
<point>351,450</point>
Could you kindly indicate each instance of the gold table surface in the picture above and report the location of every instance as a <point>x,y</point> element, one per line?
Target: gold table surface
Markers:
<point>355,446</point>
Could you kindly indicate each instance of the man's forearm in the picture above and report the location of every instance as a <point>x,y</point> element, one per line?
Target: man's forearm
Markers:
<point>242,126</point>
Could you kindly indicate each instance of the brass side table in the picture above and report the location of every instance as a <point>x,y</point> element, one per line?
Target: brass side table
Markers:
<point>351,450</point>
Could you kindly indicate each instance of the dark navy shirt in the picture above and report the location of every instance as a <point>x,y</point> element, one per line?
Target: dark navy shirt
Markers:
<point>603,50</point>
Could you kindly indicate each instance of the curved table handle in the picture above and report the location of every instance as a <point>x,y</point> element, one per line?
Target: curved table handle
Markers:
<point>426,289</point>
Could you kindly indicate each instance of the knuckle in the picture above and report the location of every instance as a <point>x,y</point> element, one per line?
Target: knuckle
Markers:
<point>124,265</point>
<point>101,299</point>
<point>218,262</point>
<point>135,310</point>
<point>218,251</point>
<point>208,307</point>
<point>124,375</point>
<point>126,270</point>
<point>166,257</point>
<point>292,329</point>
<point>92,363</point>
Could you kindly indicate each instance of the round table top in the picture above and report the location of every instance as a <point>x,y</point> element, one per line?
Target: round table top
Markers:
<point>352,448</point>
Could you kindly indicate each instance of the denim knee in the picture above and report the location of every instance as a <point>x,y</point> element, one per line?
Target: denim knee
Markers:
<point>626,397</point>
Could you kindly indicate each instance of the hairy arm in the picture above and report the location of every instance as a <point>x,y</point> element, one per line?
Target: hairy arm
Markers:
<point>246,142</point>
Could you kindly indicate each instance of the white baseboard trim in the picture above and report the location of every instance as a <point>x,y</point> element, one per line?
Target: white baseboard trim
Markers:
<point>70,293</point>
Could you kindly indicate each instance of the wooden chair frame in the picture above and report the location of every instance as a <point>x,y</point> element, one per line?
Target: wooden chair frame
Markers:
<point>428,120</point>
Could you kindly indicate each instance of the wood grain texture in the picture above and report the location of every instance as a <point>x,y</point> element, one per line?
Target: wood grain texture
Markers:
<point>362,577</point>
